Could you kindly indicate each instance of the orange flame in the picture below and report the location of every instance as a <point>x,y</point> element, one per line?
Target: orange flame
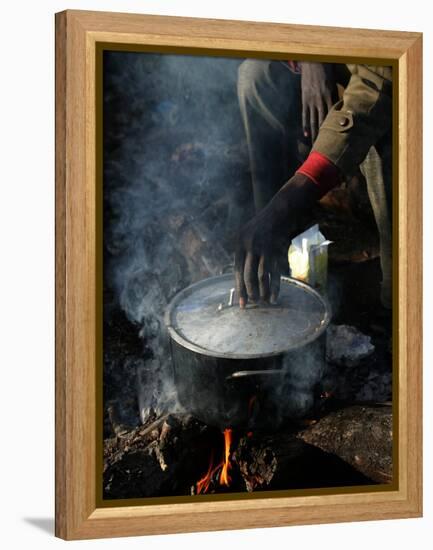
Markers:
<point>225,478</point>
<point>202,486</point>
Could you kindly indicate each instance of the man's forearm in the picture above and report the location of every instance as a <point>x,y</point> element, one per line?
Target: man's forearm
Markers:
<point>321,171</point>
<point>359,120</point>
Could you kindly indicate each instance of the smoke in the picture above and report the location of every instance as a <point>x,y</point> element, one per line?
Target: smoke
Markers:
<point>176,187</point>
<point>304,371</point>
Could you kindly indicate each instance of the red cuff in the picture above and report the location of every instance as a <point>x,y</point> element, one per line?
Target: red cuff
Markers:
<point>321,170</point>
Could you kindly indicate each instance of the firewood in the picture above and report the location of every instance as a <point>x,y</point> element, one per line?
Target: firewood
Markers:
<point>283,461</point>
<point>359,435</point>
<point>162,459</point>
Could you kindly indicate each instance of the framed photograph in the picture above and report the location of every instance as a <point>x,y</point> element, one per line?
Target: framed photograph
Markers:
<point>238,274</point>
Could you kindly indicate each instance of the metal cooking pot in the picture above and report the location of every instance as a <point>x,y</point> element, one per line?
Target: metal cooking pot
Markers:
<point>241,368</point>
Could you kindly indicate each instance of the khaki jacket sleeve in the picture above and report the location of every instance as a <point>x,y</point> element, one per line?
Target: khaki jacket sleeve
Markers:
<point>359,120</point>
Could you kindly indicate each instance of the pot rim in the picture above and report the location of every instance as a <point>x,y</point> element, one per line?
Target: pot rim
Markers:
<point>182,341</point>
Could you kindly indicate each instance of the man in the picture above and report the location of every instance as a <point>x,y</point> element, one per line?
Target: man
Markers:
<point>281,105</point>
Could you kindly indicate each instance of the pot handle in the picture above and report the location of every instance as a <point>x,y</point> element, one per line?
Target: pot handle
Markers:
<point>249,373</point>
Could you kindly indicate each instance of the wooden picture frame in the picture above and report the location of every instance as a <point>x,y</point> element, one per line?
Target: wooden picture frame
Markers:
<point>80,35</point>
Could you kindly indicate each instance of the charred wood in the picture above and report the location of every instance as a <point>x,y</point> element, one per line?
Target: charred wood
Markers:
<point>283,461</point>
<point>359,435</point>
<point>159,459</point>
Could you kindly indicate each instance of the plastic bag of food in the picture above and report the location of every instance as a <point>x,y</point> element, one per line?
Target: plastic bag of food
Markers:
<point>308,258</point>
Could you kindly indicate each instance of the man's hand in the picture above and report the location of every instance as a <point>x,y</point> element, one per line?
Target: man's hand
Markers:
<point>319,93</point>
<point>264,240</point>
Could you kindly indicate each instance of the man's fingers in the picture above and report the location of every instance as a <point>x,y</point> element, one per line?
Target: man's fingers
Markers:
<point>239,277</point>
<point>305,120</point>
<point>263,274</point>
<point>321,115</point>
<point>313,124</point>
<point>251,276</point>
<point>275,281</point>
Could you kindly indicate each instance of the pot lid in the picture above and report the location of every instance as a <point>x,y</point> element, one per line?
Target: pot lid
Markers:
<point>201,319</point>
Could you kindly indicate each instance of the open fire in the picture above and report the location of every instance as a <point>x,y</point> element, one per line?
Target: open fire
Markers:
<point>219,473</point>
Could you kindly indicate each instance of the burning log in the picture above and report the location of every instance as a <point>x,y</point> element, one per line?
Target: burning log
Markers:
<point>178,455</point>
<point>360,435</point>
<point>283,461</point>
<point>160,459</point>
